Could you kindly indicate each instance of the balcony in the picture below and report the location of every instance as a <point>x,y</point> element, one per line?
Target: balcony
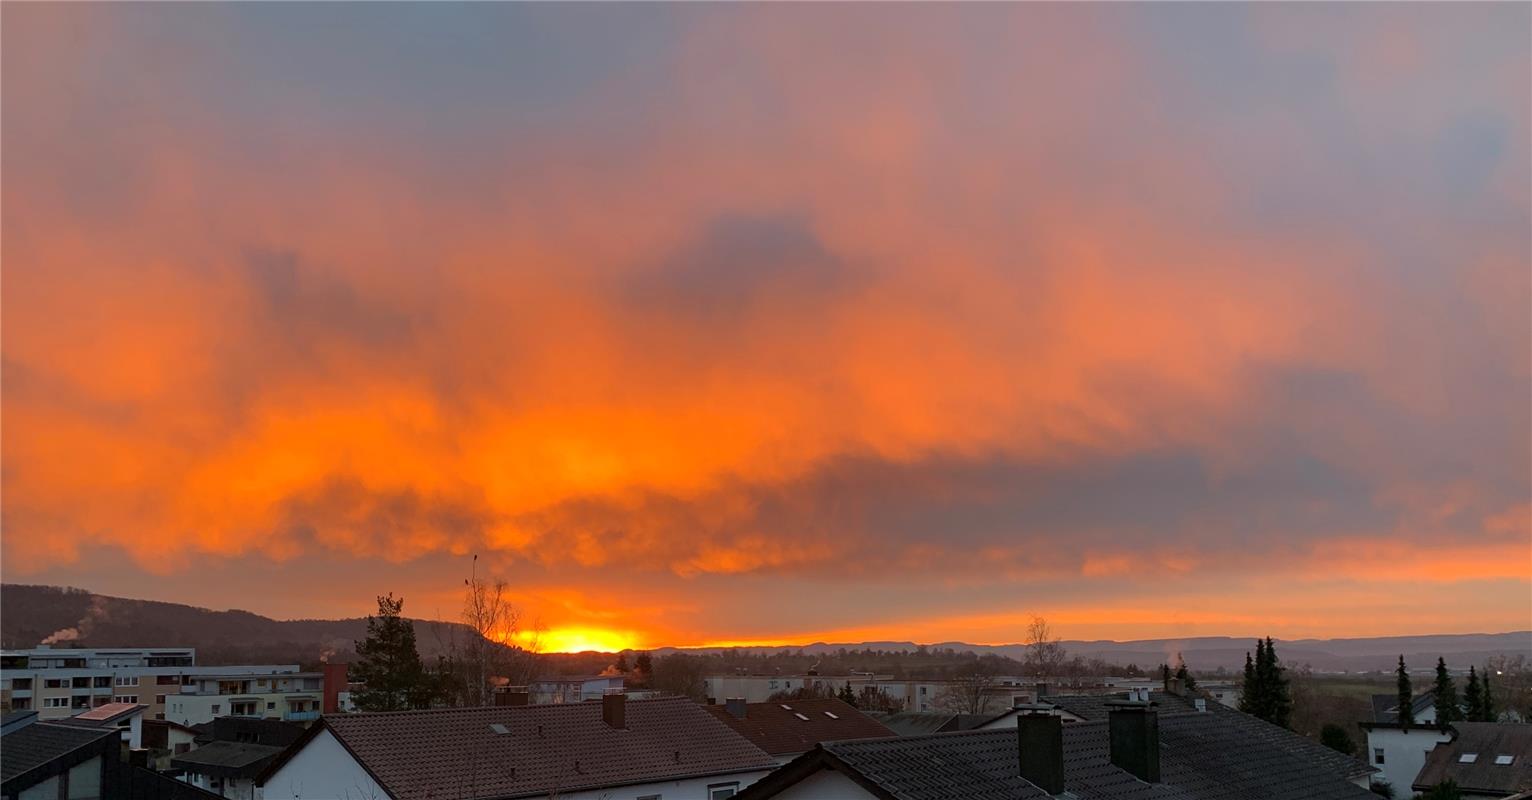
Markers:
<point>300,716</point>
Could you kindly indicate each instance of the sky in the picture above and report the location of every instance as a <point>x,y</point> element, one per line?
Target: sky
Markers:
<point>743,323</point>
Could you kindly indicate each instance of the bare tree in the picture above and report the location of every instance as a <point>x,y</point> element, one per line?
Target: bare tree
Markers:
<point>1045,655</point>
<point>497,646</point>
<point>972,693</point>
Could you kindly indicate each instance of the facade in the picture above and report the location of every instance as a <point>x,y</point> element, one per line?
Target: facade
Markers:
<point>290,696</point>
<point>1399,752</point>
<point>573,688</point>
<point>228,769</point>
<point>617,749</point>
<point>55,761</point>
<point>915,695</point>
<point>59,683</point>
<point>1134,753</point>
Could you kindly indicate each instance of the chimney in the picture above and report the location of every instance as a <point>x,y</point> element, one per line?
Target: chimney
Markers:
<point>512,696</point>
<point>1134,737</point>
<point>334,682</point>
<point>614,709</point>
<point>1173,686</point>
<point>1040,742</point>
<point>735,706</point>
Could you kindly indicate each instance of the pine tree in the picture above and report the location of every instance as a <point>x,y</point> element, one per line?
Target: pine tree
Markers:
<point>1473,696</point>
<point>1280,699</point>
<point>389,664</point>
<point>1489,699</point>
<point>622,663</point>
<point>1248,688</point>
<point>1447,708</point>
<point>847,696</point>
<point>1183,674</point>
<point>1406,696</point>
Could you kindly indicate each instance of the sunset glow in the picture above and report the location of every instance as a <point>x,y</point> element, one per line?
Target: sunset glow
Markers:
<point>709,324</point>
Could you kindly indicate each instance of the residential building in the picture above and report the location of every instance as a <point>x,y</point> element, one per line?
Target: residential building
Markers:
<point>163,739</point>
<point>54,761</point>
<point>787,730</point>
<point>918,695</point>
<point>228,769</point>
<point>290,696</point>
<point>573,688</point>
<point>126,718</point>
<point>61,682</point>
<point>618,749</point>
<point>1484,759</point>
<point>1134,753</point>
<point>1399,751</point>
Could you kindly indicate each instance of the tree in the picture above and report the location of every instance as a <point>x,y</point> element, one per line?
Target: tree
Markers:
<point>1447,708</point>
<point>1335,737</point>
<point>971,693</point>
<point>1266,694</point>
<point>622,663</point>
<point>643,666</point>
<point>389,664</point>
<point>1489,713</point>
<point>1473,697</point>
<point>1045,652</point>
<point>1406,695</point>
<point>847,696</point>
<point>493,651</point>
<point>1183,674</point>
<point>680,674</point>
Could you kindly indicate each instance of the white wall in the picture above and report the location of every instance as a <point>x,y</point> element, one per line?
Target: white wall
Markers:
<point>825,785</point>
<point>322,770</point>
<point>691,789</point>
<point>1404,753</point>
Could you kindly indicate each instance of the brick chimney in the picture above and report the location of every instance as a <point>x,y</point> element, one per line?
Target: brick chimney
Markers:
<point>334,682</point>
<point>1133,731</point>
<point>614,708</point>
<point>1175,687</point>
<point>1040,745</point>
<point>735,706</point>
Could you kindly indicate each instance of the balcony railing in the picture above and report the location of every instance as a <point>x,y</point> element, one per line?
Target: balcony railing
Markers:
<point>300,716</point>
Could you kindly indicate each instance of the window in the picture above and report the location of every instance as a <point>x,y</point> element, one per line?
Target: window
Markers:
<point>81,683</point>
<point>21,703</point>
<point>53,683</point>
<point>651,797</point>
<point>242,708</point>
<point>126,698</point>
<point>217,709</point>
<point>722,791</point>
<point>270,706</point>
<point>1377,755</point>
<point>1504,761</point>
<point>131,680</point>
<point>55,702</point>
<point>182,747</point>
<point>167,680</point>
<point>159,699</point>
<point>1468,758</point>
<point>21,683</point>
<point>102,682</point>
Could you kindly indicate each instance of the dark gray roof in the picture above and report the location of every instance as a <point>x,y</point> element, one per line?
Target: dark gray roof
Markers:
<point>1487,740</point>
<point>1203,757</point>
<point>1385,707</point>
<point>36,745</point>
<point>227,759</point>
<point>916,723</point>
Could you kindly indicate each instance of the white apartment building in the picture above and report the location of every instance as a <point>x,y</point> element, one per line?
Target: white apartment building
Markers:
<point>916,694</point>
<point>59,683</point>
<point>290,696</point>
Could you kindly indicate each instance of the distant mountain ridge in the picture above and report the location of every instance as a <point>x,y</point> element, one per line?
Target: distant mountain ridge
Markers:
<point>64,617</point>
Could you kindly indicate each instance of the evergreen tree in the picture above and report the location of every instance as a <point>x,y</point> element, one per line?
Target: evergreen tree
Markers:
<point>1280,700</point>
<point>1473,696</point>
<point>1489,699</point>
<point>389,664</point>
<point>1447,709</point>
<point>622,663</point>
<point>1335,737</point>
<point>1183,674</point>
<point>1406,696</point>
<point>847,696</point>
<point>1248,688</point>
<point>1164,673</point>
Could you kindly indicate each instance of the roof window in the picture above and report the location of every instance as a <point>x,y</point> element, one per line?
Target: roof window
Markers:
<point>1504,761</point>
<point>1468,758</point>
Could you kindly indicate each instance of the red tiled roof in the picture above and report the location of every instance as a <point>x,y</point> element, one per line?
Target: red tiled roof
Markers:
<point>454,754</point>
<point>797,725</point>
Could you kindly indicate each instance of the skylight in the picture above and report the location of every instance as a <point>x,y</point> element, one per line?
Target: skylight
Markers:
<point>800,716</point>
<point>498,728</point>
<point>1468,758</point>
<point>831,715</point>
<point>1504,761</point>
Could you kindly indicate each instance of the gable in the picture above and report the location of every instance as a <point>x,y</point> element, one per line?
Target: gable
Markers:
<point>322,768</point>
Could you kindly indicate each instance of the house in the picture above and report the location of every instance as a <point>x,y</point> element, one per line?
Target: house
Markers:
<point>228,769</point>
<point>126,718</point>
<point>291,696</point>
<point>1399,751</point>
<point>573,688</point>
<point>787,730</point>
<point>1484,759</point>
<point>616,749</point>
<point>48,760</point>
<point>1133,753</point>
<point>59,682</point>
<point>164,739</point>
